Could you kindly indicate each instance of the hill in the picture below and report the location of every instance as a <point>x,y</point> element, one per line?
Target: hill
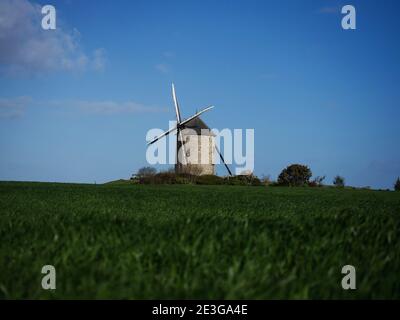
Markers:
<point>189,241</point>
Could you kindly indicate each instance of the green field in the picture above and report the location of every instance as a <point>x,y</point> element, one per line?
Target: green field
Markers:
<point>184,241</point>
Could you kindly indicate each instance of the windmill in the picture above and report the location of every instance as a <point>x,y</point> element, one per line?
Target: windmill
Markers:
<point>194,141</point>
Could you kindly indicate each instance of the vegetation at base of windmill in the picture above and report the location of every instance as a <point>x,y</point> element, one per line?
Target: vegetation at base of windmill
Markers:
<point>186,178</point>
<point>397,185</point>
<point>161,178</point>
<point>143,173</point>
<point>210,179</point>
<point>191,176</point>
<point>197,242</point>
<point>318,181</point>
<point>295,175</point>
<point>243,180</point>
<point>339,181</point>
<point>146,172</point>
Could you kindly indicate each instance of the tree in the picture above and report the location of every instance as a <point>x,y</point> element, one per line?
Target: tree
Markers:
<point>397,185</point>
<point>295,175</point>
<point>338,181</point>
<point>146,172</point>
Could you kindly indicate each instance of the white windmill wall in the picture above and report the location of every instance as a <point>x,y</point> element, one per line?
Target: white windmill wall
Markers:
<point>200,151</point>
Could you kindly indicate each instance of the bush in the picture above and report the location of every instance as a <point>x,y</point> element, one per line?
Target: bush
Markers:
<point>243,180</point>
<point>317,182</point>
<point>339,181</point>
<point>159,178</point>
<point>169,177</point>
<point>397,185</point>
<point>312,184</point>
<point>256,182</point>
<point>146,172</point>
<point>209,179</point>
<point>295,175</point>
<point>266,180</point>
<point>185,178</point>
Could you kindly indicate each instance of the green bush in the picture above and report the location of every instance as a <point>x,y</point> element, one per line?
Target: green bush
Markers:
<point>295,175</point>
<point>317,182</point>
<point>187,178</point>
<point>159,178</point>
<point>146,172</point>
<point>209,179</point>
<point>256,182</point>
<point>312,184</point>
<point>243,180</point>
<point>234,181</point>
<point>397,185</point>
<point>266,180</point>
<point>339,181</point>
<point>168,177</point>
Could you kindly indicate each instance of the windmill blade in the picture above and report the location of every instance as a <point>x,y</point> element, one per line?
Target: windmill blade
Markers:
<point>162,135</point>
<point>196,115</point>
<point>178,113</point>
<point>183,147</point>
<point>222,158</point>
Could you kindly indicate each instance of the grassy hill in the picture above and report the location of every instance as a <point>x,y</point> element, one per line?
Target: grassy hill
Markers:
<point>182,241</point>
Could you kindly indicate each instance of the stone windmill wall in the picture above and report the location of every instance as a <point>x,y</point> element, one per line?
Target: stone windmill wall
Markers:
<point>199,144</point>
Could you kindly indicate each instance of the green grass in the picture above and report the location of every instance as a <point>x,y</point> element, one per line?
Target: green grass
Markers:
<point>182,241</point>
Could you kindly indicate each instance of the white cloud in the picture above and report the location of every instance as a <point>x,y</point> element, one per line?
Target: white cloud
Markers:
<point>11,108</point>
<point>113,107</point>
<point>26,48</point>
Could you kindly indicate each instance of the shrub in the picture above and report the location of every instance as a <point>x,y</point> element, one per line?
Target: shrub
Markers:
<point>295,175</point>
<point>209,179</point>
<point>169,177</point>
<point>185,178</point>
<point>256,182</point>
<point>339,181</point>
<point>146,172</point>
<point>145,180</point>
<point>243,180</point>
<point>397,185</point>
<point>234,181</point>
<point>159,178</point>
<point>266,180</point>
<point>317,182</point>
<point>312,184</point>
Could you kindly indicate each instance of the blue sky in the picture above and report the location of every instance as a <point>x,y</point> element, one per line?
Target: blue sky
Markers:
<point>76,103</point>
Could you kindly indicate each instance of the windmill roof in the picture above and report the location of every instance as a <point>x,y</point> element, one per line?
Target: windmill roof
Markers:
<point>199,126</point>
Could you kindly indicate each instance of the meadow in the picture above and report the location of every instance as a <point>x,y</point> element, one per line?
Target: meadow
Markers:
<point>190,241</point>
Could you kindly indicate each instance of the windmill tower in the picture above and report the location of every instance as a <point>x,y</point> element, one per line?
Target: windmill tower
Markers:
<point>195,143</point>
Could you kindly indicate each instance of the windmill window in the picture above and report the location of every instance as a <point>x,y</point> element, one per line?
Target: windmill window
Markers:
<point>188,153</point>
<point>187,139</point>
